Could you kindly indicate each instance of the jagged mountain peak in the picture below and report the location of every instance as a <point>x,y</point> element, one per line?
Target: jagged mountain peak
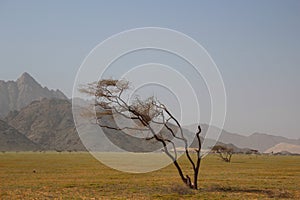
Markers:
<point>26,76</point>
<point>27,80</point>
<point>18,94</point>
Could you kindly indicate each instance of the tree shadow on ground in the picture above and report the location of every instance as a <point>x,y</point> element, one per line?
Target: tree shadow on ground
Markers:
<point>268,192</point>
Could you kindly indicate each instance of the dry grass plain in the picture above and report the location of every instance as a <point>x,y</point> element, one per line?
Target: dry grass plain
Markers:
<point>53,175</point>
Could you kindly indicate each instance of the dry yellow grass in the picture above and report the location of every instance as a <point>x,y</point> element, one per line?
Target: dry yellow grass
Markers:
<point>80,176</point>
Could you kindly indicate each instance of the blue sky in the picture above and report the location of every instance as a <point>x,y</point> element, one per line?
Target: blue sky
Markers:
<point>255,44</point>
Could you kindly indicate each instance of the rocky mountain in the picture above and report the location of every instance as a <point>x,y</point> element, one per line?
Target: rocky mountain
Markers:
<point>18,94</point>
<point>13,140</point>
<point>49,123</point>
<point>42,118</point>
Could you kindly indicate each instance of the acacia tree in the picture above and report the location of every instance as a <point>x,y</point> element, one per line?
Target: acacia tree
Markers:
<point>109,100</point>
<point>224,152</point>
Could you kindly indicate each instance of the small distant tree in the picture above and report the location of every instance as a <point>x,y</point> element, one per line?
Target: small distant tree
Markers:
<point>252,151</point>
<point>109,100</point>
<point>58,150</point>
<point>224,152</point>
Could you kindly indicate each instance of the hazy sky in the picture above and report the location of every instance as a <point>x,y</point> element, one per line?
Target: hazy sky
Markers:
<point>256,45</point>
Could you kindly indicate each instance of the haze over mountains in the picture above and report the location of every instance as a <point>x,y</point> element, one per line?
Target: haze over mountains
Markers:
<point>258,141</point>
<point>36,118</point>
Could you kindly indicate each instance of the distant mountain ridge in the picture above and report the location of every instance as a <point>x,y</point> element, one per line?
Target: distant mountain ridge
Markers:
<point>39,118</point>
<point>258,141</point>
<point>49,124</point>
<point>18,94</point>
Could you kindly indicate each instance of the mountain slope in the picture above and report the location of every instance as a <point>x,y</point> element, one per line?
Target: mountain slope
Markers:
<point>12,140</point>
<point>17,94</point>
<point>49,123</point>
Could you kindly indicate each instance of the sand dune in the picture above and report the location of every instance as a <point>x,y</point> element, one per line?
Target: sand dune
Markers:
<point>284,147</point>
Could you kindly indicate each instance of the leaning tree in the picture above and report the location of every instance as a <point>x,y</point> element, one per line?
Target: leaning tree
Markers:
<point>109,100</point>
